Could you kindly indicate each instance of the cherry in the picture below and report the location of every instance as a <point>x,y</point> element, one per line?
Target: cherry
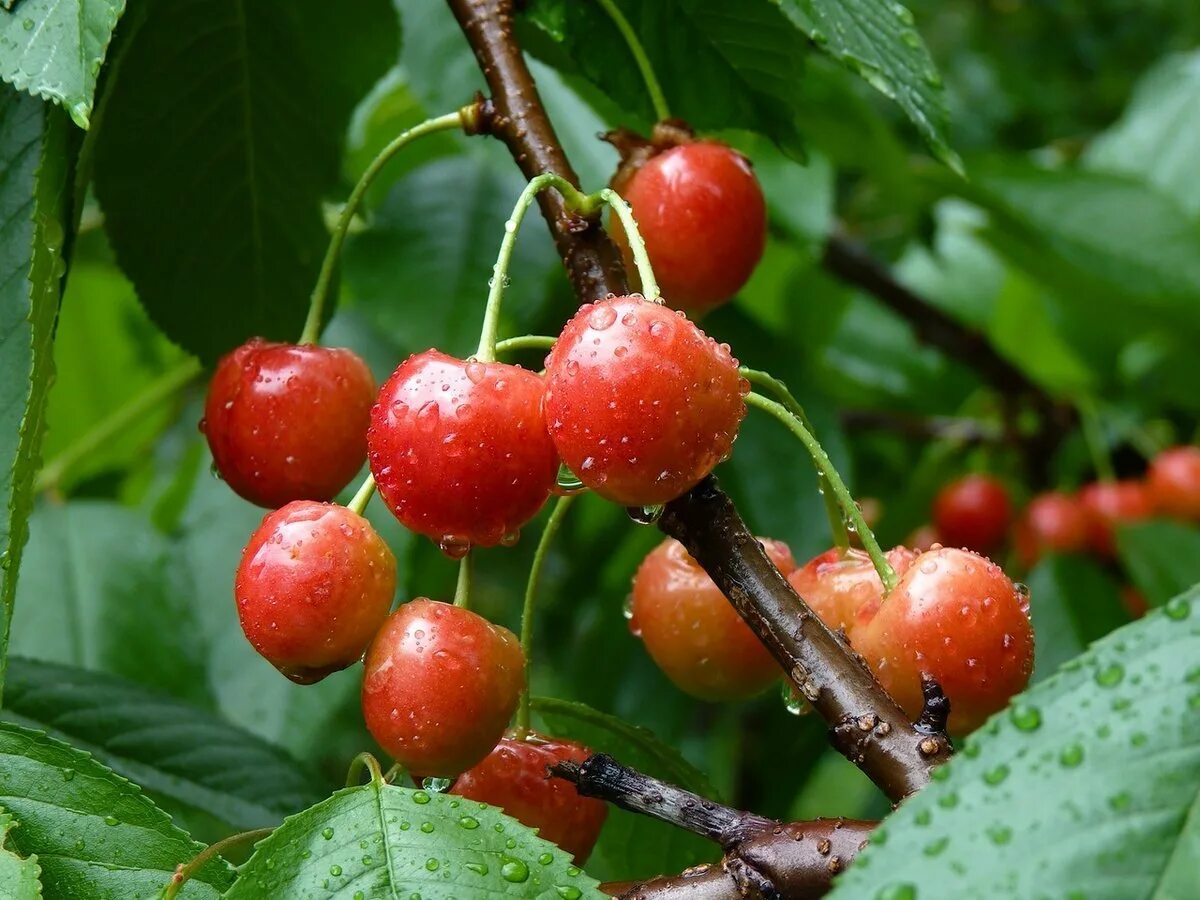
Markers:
<point>459,449</point>
<point>514,777</point>
<point>923,537</point>
<point>314,585</point>
<point>972,512</point>
<point>1173,480</point>
<point>701,212</point>
<point>288,421</point>
<point>640,403</point>
<point>439,686</point>
<point>1109,503</point>
<point>1134,601</point>
<point>1052,522</point>
<point>691,630</point>
<point>955,615</point>
<point>839,583</point>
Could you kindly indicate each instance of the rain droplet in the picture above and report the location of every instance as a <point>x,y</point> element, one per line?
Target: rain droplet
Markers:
<point>469,822</point>
<point>546,858</point>
<point>434,784</point>
<point>1071,756</point>
<point>568,892</point>
<point>477,868</point>
<point>432,864</point>
<point>898,892</point>
<point>934,848</point>
<point>1111,675</point>
<point>1178,609</point>
<point>514,870</point>
<point>427,827</point>
<point>335,871</point>
<point>1026,718</point>
<point>645,515</point>
<point>995,775</point>
<point>327,833</point>
<point>111,820</point>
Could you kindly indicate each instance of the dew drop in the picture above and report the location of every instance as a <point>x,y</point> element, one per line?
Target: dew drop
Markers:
<point>546,858</point>
<point>432,864</point>
<point>427,827</point>
<point>469,822</point>
<point>433,784</point>
<point>602,317</point>
<point>898,892</point>
<point>477,868</point>
<point>111,820</point>
<point>645,515</point>
<point>327,833</point>
<point>935,848</point>
<point>995,775</point>
<point>514,871</point>
<point>335,871</point>
<point>1111,675</point>
<point>1071,756</point>
<point>568,892</point>
<point>1026,718</point>
<point>420,797</point>
<point>1178,609</point>
<point>999,834</point>
<point>68,774</point>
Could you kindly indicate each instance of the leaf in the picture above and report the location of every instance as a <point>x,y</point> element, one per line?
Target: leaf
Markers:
<point>170,749</point>
<point>382,841</point>
<point>95,834</point>
<point>229,115</point>
<point>54,49</point>
<point>1087,786</point>
<point>1162,558</point>
<point>33,203</point>
<point>18,877</point>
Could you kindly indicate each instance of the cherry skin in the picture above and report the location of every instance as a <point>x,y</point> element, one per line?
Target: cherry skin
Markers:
<point>640,403</point>
<point>701,213</point>
<point>459,449</point>
<point>314,585</point>
<point>973,512</point>
<point>288,421</point>
<point>1053,522</point>
<point>691,630</point>
<point>439,686</point>
<point>1173,480</point>
<point>1110,503</point>
<point>514,777</point>
<point>839,583</point>
<point>955,615</point>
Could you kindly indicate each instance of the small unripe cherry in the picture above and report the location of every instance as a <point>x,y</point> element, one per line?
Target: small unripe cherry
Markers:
<point>439,686</point>
<point>314,585</point>
<point>839,583</point>
<point>973,512</point>
<point>640,403</point>
<point>1053,522</point>
<point>459,449</point>
<point>515,777</point>
<point>957,616</point>
<point>691,630</point>
<point>1110,503</point>
<point>288,421</point>
<point>1173,481</point>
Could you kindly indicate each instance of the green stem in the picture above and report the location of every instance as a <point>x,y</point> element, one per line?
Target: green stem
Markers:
<point>535,573</point>
<point>316,306</point>
<point>462,590</point>
<point>653,88</point>
<point>366,761</point>
<point>825,466</point>
<point>636,245</point>
<point>118,421</point>
<point>363,495</point>
<point>187,870</point>
<point>526,342</point>
<point>837,522</point>
<point>1093,436</point>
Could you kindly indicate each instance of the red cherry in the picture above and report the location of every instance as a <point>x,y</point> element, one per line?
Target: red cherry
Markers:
<point>1110,503</point>
<point>1052,522</point>
<point>1134,602</point>
<point>1174,482</point>
<point>288,421</point>
<point>691,630</point>
<point>439,686</point>
<point>314,585</point>
<point>839,583</point>
<point>955,615</point>
<point>514,777</point>
<point>640,403</point>
<point>459,449</point>
<point>972,512</point>
<point>701,212</point>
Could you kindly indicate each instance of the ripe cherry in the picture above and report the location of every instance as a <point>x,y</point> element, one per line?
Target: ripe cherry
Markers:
<point>1173,480</point>
<point>972,512</point>
<point>514,777</point>
<point>701,212</point>
<point>288,421</point>
<point>1110,503</point>
<point>459,449</point>
<point>314,585</point>
<point>693,632</point>
<point>1052,522</point>
<point>839,583</point>
<point>439,686</point>
<point>640,403</point>
<point>955,615</point>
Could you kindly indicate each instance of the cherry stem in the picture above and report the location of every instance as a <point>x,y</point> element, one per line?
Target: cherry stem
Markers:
<point>825,466</point>
<point>535,574</point>
<point>653,88</point>
<point>185,871</point>
<point>641,259</point>
<point>462,590</point>
<point>316,307</point>
<point>575,200</point>
<point>363,495</point>
<point>526,342</point>
<point>1093,436</point>
<point>837,523</point>
<point>366,761</point>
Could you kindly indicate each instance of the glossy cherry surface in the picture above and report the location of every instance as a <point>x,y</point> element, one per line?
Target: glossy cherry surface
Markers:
<point>973,512</point>
<point>1173,480</point>
<point>288,421</point>
<point>693,632</point>
<point>640,403</point>
<point>1110,503</point>
<point>838,584</point>
<point>1053,522</point>
<point>514,777</point>
<point>439,686</point>
<point>314,585</point>
<point>459,449</point>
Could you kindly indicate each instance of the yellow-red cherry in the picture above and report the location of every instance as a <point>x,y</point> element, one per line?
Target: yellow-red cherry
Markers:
<point>1173,481</point>
<point>314,584</point>
<point>1053,522</point>
<point>973,512</point>
<point>439,686</point>
<point>1110,503</point>
<point>288,421</point>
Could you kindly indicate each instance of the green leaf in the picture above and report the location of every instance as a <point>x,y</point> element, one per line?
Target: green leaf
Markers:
<point>222,133</point>
<point>382,841</point>
<point>54,49</point>
<point>18,877</point>
<point>1162,558</point>
<point>33,203</point>
<point>171,750</point>
<point>95,834</point>
<point>1087,786</point>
